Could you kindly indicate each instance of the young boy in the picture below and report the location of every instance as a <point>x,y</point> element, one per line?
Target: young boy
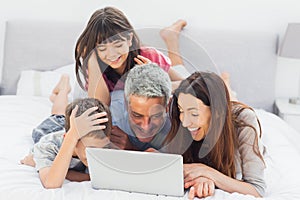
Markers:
<point>61,155</point>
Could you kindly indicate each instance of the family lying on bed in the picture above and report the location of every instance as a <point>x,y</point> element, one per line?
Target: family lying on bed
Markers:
<point>219,138</point>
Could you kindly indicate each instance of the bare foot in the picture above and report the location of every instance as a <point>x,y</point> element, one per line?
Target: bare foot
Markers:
<point>62,86</point>
<point>28,160</point>
<point>171,33</point>
<point>226,78</point>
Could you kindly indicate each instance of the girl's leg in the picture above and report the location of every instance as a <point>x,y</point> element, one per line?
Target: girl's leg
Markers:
<point>59,96</point>
<point>226,78</point>
<point>56,121</point>
<point>170,35</point>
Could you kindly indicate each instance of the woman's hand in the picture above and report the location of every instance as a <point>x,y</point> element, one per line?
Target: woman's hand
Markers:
<point>141,60</point>
<point>195,170</point>
<point>85,123</point>
<point>200,187</point>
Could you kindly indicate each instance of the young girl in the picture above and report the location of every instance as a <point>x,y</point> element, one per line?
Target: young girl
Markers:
<point>218,138</point>
<point>107,49</point>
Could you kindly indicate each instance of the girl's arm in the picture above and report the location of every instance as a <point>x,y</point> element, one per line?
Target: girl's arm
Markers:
<point>97,86</point>
<point>175,77</point>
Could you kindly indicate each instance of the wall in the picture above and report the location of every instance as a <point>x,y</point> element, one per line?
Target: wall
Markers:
<point>263,15</point>
<point>257,15</point>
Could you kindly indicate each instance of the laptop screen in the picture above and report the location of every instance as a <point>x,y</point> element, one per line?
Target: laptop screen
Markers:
<point>134,171</point>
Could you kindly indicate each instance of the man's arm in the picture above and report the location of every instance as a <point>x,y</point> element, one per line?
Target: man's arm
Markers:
<point>120,139</point>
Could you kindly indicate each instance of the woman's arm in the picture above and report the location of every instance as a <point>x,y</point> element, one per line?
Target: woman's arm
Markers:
<point>97,87</point>
<point>226,183</point>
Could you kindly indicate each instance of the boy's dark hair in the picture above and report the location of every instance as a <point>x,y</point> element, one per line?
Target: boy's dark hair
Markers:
<point>83,105</point>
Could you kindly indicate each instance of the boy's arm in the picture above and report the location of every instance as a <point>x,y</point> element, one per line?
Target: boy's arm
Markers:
<point>54,176</point>
<point>73,175</point>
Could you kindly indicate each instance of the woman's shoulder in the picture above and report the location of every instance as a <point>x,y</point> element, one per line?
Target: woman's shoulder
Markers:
<point>248,126</point>
<point>244,113</point>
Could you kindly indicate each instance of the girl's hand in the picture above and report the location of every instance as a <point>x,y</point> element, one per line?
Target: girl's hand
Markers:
<point>141,60</point>
<point>200,187</point>
<point>85,123</point>
<point>195,170</point>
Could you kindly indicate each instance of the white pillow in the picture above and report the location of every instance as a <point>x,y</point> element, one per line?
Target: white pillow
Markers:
<point>41,83</point>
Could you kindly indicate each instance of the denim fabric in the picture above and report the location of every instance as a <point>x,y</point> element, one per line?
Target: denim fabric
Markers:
<point>51,124</point>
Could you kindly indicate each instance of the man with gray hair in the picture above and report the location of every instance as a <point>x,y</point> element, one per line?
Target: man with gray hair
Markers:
<point>142,123</point>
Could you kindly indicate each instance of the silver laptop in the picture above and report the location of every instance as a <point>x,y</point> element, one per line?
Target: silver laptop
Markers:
<point>133,171</point>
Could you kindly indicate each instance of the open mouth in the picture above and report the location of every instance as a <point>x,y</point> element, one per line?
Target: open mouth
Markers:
<point>194,131</point>
<point>115,61</point>
<point>145,134</point>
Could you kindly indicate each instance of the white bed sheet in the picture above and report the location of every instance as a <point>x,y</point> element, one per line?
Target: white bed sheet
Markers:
<point>19,114</point>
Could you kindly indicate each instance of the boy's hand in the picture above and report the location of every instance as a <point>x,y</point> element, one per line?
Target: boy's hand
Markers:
<point>85,123</point>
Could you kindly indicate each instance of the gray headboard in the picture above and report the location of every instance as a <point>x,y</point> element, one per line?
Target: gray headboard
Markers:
<point>39,45</point>
<point>249,57</point>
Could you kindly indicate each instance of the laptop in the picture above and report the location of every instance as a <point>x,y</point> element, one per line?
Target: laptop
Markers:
<point>134,171</point>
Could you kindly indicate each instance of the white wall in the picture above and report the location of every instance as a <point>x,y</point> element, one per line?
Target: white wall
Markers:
<point>219,14</point>
<point>252,15</point>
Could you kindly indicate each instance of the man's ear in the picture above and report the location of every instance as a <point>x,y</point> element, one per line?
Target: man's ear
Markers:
<point>126,102</point>
<point>168,105</point>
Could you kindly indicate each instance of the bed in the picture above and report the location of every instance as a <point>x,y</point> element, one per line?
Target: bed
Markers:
<point>31,66</point>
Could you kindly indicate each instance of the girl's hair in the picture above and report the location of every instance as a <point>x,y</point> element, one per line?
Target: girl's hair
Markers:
<point>105,25</point>
<point>83,105</point>
<point>218,147</point>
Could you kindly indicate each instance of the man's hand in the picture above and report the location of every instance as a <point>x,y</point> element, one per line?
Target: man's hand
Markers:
<point>120,139</point>
<point>152,150</point>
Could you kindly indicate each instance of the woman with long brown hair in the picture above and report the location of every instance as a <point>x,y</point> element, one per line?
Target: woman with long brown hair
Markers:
<point>218,138</point>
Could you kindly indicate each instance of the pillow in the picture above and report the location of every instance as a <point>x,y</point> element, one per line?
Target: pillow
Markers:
<point>41,83</point>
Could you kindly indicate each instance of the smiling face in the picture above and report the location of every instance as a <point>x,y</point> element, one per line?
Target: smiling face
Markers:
<point>89,142</point>
<point>194,115</point>
<point>146,116</point>
<point>115,53</point>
